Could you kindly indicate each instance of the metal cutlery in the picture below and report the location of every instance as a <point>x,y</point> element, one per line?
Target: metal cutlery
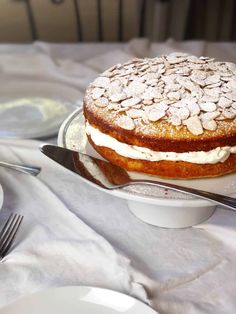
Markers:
<point>8,233</point>
<point>22,168</point>
<point>109,176</point>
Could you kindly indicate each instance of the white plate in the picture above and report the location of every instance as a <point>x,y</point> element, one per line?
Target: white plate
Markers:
<point>1,196</point>
<point>77,300</point>
<point>34,109</point>
<point>154,205</point>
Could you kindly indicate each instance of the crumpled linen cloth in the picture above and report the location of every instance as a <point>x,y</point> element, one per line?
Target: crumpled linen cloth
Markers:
<point>73,234</point>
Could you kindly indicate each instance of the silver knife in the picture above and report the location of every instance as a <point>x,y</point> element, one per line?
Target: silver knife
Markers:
<point>109,176</point>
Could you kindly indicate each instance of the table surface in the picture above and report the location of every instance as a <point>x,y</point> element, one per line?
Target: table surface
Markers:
<point>73,234</point>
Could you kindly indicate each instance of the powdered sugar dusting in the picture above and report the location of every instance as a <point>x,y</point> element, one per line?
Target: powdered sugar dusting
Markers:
<point>196,94</point>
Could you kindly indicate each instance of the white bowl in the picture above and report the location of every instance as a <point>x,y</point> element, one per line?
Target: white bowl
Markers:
<point>156,206</point>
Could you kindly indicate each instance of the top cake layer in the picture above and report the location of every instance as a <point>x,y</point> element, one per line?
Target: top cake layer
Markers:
<point>177,97</point>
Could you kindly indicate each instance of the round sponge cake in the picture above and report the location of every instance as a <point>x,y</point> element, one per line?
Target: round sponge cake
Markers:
<point>171,116</point>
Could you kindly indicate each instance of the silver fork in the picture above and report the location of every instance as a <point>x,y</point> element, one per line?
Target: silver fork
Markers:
<point>21,168</point>
<point>8,233</point>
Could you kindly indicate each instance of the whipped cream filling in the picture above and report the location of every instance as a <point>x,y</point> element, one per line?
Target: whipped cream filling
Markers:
<point>219,154</point>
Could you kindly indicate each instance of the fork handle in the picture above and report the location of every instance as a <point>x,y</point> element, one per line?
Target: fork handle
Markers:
<point>22,168</point>
<point>226,201</point>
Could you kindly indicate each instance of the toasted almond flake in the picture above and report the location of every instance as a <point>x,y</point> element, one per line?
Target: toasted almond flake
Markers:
<point>212,79</point>
<point>193,108</point>
<point>210,115</point>
<point>148,102</point>
<point>200,75</point>
<point>174,60</point>
<point>229,113</point>
<point>210,125</point>
<point>221,117</point>
<point>224,102</point>
<point>101,102</point>
<point>183,113</point>
<point>161,106</point>
<point>102,81</point>
<point>198,93</point>
<point>194,125</point>
<point>186,83</point>
<point>125,122</point>
<point>135,113</point>
<point>231,66</point>
<point>174,95</point>
<point>155,114</point>
<point>215,92</point>
<point>130,102</point>
<point>196,60</point>
<point>231,95</point>
<point>232,84</point>
<point>175,120</point>
<point>208,106</point>
<point>214,85</point>
<point>114,106</point>
<point>97,92</point>
<point>135,88</point>
<point>117,97</point>
<point>208,98</point>
<point>234,105</point>
<point>198,81</point>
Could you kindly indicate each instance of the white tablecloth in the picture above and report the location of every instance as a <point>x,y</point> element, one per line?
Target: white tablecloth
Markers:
<point>73,234</point>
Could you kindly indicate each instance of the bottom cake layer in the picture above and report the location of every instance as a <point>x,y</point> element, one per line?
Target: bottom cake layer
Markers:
<point>166,168</point>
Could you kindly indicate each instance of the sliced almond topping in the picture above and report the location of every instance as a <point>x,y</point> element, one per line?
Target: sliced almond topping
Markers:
<point>135,113</point>
<point>148,102</point>
<point>175,120</point>
<point>114,106</point>
<point>208,98</point>
<point>102,81</point>
<point>161,106</point>
<point>212,79</point>
<point>130,102</point>
<point>125,122</point>
<point>194,125</point>
<point>193,108</point>
<point>179,88</point>
<point>174,95</point>
<point>231,95</point>
<point>232,84</point>
<point>118,97</point>
<point>210,115</point>
<point>101,102</point>
<point>208,106</point>
<point>97,92</point>
<point>135,88</point>
<point>229,113</point>
<point>183,113</point>
<point>186,83</point>
<point>210,125</point>
<point>155,114</point>
<point>224,102</point>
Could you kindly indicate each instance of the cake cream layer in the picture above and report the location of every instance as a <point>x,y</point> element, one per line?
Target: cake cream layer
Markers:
<point>219,154</point>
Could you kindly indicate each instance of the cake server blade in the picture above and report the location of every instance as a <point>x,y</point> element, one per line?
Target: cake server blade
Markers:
<point>110,176</point>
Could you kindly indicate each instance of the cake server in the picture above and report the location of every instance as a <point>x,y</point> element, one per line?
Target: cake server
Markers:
<point>109,176</point>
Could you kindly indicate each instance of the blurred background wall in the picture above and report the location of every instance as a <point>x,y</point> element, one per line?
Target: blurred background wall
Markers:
<point>116,20</point>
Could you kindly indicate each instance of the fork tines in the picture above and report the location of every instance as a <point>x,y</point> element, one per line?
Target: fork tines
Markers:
<point>8,233</point>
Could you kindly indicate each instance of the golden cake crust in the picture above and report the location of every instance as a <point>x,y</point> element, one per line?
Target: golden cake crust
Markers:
<point>170,138</point>
<point>166,168</point>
